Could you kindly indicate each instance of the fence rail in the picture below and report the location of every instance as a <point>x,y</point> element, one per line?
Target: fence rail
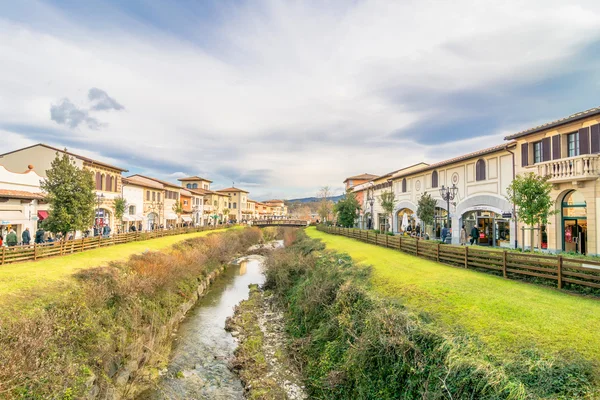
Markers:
<point>36,251</point>
<point>511,265</point>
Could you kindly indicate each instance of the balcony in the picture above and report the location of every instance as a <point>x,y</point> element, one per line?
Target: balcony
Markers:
<point>573,169</point>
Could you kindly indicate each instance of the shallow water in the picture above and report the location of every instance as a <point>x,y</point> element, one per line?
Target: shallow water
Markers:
<point>198,365</point>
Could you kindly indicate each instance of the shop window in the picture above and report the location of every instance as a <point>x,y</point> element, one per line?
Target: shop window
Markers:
<point>434,179</point>
<point>480,170</point>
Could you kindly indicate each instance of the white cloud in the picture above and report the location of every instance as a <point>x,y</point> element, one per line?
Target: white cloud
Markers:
<point>292,88</point>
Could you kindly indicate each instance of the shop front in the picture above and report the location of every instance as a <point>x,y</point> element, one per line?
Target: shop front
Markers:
<point>405,220</point>
<point>493,228</point>
<point>574,223</point>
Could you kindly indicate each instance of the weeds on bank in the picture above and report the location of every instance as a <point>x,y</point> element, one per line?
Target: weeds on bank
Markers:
<point>353,344</point>
<point>110,314</point>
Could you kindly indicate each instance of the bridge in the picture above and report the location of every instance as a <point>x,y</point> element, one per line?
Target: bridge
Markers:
<point>280,222</point>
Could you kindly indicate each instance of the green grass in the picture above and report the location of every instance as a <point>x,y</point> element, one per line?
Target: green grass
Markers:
<point>34,279</point>
<point>507,316</point>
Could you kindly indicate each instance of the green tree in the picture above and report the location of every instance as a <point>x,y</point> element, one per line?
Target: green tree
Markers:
<point>120,205</point>
<point>387,201</point>
<point>426,208</point>
<point>178,209</point>
<point>346,210</point>
<point>530,193</point>
<point>325,205</point>
<point>70,192</point>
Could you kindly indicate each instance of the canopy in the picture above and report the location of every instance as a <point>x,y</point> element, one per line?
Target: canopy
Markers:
<point>42,215</point>
<point>171,216</point>
<point>186,218</point>
<point>11,217</point>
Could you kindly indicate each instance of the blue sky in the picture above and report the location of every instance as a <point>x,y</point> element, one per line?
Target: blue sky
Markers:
<point>282,97</point>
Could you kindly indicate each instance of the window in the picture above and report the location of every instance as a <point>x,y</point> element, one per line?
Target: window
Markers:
<point>147,195</point>
<point>158,197</point>
<point>573,144</point>
<point>185,202</point>
<point>234,205</point>
<point>103,182</point>
<point>189,186</point>
<point>108,186</point>
<point>350,182</point>
<point>131,210</point>
<point>215,202</point>
<point>538,151</point>
<point>98,181</point>
<point>153,196</point>
<point>480,170</point>
<point>434,179</point>
<point>205,186</point>
<point>195,186</point>
<point>404,185</point>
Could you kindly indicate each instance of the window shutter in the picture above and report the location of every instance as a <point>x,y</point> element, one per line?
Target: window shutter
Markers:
<point>555,147</point>
<point>584,141</point>
<point>595,139</point>
<point>546,147</point>
<point>524,154</point>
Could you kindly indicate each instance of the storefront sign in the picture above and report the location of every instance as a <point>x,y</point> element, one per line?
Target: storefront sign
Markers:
<point>506,215</point>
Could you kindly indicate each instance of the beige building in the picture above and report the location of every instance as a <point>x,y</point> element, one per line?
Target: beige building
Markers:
<point>278,208</point>
<point>237,203</point>
<point>107,177</point>
<point>153,200</point>
<point>165,201</point>
<point>567,151</point>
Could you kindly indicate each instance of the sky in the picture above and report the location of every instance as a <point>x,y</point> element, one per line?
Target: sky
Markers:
<point>284,97</point>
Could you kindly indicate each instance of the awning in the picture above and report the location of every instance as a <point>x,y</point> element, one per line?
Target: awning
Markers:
<point>186,218</point>
<point>42,215</point>
<point>127,218</point>
<point>139,217</point>
<point>171,216</point>
<point>11,217</point>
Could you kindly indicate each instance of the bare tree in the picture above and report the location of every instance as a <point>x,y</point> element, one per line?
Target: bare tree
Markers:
<point>325,205</point>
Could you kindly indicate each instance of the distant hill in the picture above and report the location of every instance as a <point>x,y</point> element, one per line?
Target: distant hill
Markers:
<point>335,199</point>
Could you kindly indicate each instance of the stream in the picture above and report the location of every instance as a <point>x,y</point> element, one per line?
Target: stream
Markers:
<point>198,367</point>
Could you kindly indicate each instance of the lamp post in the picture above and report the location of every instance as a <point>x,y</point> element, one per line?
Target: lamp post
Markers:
<point>99,199</point>
<point>371,201</point>
<point>448,194</point>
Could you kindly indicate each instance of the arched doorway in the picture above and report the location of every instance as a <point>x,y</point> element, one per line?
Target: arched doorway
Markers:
<point>101,221</point>
<point>574,222</point>
<point>152,221</point>
<point>405,220</point>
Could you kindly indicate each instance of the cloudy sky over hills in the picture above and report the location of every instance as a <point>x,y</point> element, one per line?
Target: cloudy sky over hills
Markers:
<point>282,97</point>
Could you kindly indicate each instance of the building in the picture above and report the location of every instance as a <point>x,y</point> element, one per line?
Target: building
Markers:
<point>278,208</point>
<point>167,202</point>
<point>356,180</point>
<point>567,151</point>
<point>195,182</point>
<point>107,178</point>
<point>264,210</point>
<point>252,210</point>
<point>153,208</point>
<point>237,203</point>
<point>133,193</point>
<point>186,198</point>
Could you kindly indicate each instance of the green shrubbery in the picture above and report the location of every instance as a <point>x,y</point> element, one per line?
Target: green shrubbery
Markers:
<point>353,344</point>
<point>93,329</point>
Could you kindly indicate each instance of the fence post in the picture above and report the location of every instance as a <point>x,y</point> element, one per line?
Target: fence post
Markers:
<point>83,242</point>
<point>466,256</point>
<point>386,240</point>
<point>3,252</point>
<point>504,263</point>
<point>34,251</point>
<point>99,240</point>
<point>438,253</point>
<point>560,265</point>
<point>399,242</point>
<point>417,245</point>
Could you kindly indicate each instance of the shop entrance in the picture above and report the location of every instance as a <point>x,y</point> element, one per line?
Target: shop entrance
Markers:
<point>493,229</point>
<point>574,223</point>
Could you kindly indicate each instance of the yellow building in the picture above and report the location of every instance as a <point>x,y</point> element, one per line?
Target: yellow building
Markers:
<point>107,178</point>
<point>278,208</point>
<point>237,203</point>
<point>567,151</point>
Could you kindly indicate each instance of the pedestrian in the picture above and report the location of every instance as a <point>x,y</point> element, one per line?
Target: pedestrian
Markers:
<point>444,233</point>
<point>11,238</point>
<point>418,231</point>
<point>474,235</point>
<point>463,236</point>
<point>26,236</point>
<point>39,236</point>
<point>106,231</point>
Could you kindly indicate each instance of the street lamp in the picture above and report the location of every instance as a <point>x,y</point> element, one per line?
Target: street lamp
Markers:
<point>448,194</point>
<point>371,201</point>
<point>99,199</point>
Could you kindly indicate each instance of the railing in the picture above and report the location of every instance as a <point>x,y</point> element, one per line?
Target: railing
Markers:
<point>579,168</point>
<point>280,222</point>
<point>511,265</point>
<point>36,251</point>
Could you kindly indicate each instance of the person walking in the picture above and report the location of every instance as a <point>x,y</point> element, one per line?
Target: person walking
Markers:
<point>11,238</point>
<point>444,233</point>
<point>474,235</point>
<point>39,236</point>
<point>26,236</point>
<point>463,236</point>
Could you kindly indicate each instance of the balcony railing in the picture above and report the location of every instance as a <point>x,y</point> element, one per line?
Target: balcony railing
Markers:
<point>579,168</point>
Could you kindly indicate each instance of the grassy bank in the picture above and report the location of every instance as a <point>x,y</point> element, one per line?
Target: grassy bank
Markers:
<point>407,328</point>
<point>77,343</point>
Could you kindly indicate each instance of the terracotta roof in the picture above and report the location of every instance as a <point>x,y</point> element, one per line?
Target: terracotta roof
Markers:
<point>194,178</point>
<point>571,118</point>
<point>364,176</point>
<point>20,194</point>
<point>251,201</point>
<point>273,201</point>
<point>463,157</point>
<point>185,192</point>
<point>172,185</point>
<point>69,153</point>
<point>135,180</point>
<point>232,189</point>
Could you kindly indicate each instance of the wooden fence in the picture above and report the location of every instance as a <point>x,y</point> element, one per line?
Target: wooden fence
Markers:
<point>36,251</point>
<point>509,264</point>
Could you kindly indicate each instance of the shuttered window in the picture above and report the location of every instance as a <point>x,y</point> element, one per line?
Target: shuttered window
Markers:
<point>556,147</point>
<point>546,148</point>
<point>524,154</point>
<point>434,179</point>
<point>480,170</point>
<point>584,141</point>
<point>595,138</point>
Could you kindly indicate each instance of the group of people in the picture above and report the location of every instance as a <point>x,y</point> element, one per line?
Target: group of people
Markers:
<point>473,237</point>
<point>10,238</point>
